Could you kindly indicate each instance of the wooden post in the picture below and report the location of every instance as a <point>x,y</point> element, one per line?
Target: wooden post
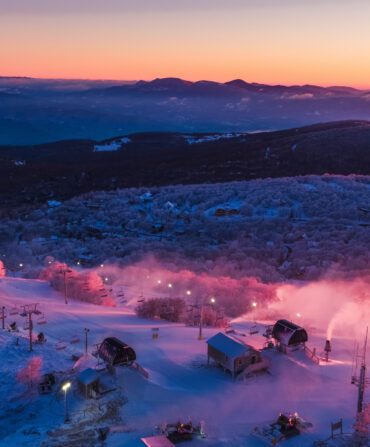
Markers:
<point>336,426</point>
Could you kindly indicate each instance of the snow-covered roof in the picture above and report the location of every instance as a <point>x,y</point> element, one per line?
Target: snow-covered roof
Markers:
<point>157,441</point>
<point>86,361</point>
<point>146,196</point>
<point>53,203</point>
<point>88,376</point>
<point>229,346</point>
<point>109,146</point>
<point>169,205</point>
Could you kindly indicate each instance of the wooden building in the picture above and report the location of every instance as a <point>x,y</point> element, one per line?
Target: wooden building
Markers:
<point>88,383</point>
<point>232,354</point>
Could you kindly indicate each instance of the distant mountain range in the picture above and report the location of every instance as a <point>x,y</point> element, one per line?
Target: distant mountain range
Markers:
<point>35,111</point>
<point>235,87</point>
<point>30,175</point>
<point>16,85</point>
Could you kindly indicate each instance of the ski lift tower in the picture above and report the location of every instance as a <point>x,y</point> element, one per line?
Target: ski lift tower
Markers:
<point>360,380</point>
<point>200,306</point>
<point>3,316</point>
<point>28,311</point>
<point>268,335</point>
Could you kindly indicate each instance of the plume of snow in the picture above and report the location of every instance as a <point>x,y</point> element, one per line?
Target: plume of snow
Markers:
<point>87,286</point>
<point>151,278</point>
<point>337,307</point>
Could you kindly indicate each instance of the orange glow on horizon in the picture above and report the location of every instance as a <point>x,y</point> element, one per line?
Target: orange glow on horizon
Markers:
<point>323,44</point>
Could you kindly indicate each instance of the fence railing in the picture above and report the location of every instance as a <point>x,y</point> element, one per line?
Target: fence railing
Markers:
<point>312,354</point>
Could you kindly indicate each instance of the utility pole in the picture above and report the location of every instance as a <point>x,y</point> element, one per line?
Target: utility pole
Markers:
<point>28,311</point>
<point>3,316</point>
<point>86,331</point>
<point>360,381</point>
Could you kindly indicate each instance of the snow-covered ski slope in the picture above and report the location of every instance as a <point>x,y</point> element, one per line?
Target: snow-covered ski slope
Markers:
<point>180,384</point>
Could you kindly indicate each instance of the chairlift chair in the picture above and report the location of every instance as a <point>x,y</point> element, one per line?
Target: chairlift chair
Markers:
<point>14,311</point>
<point>75,339</point>
<point>41,320</point>
<point>60,345</point>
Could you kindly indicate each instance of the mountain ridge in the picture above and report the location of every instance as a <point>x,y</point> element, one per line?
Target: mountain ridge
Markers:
<point>64,169</point>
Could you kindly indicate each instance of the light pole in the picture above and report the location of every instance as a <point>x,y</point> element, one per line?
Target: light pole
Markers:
<point>254,305</point>
<point>212,301</point>
<point>65,388</point>
<point>65,283</point>
<point>86,331</point>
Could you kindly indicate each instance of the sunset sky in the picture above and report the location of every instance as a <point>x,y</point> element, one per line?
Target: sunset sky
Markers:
<point>323,42</point>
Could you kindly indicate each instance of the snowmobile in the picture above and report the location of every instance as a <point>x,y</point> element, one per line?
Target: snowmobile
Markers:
<point>180,432</point>
<point>285,427</point>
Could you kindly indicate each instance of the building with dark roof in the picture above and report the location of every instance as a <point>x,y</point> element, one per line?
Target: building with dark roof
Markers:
<point>288,334</point>
<point>114,352</point>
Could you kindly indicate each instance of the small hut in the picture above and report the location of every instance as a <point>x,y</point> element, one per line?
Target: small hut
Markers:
<point>232,354</point>
<point>288,335</point>
<point>88,383</point>
<point>47,383</point>
<point>114,352</point>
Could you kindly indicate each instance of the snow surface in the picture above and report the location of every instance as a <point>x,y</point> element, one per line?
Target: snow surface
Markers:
<point>207,138</point>
<point>180,384</point>
<point>53,203</point>
<point>112,145</point>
